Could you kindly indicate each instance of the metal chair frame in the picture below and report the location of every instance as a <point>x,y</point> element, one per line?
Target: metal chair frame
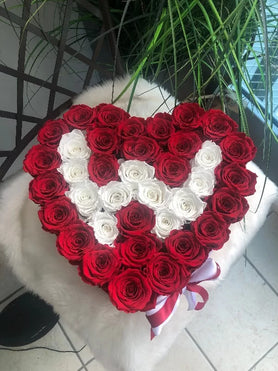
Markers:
<point>102,13</point>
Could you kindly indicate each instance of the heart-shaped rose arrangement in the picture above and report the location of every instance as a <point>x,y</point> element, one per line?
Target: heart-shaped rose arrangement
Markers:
<point>137,203</point>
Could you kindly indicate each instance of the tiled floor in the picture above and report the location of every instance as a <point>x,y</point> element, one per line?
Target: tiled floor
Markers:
<point>238,329</point>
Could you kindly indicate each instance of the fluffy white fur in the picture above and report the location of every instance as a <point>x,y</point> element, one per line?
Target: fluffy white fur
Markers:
<point>121,342</point>
<point>147,99</point>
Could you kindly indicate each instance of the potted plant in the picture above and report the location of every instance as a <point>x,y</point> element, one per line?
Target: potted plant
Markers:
<point>206,49</point>
<point>194,48</point>
<point>210,42</point>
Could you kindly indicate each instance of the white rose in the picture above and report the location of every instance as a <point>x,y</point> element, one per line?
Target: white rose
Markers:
<point>134,171</point>
<point>201,181</point>
<point>114,195</point>
<point>153,193</point>
<point>165,222</point>
<point>74,171</point>
<point>209,156</point>
<point>85,197</point>
<point>185,204</point>
<point>105,227</point>
<point>73,145</point>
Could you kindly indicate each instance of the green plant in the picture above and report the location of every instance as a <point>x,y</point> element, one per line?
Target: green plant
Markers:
<point>209,40</point>
<point>176,42</point>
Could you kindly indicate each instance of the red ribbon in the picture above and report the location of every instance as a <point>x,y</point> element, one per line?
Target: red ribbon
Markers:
<point>163,314</point>
<point>166,306</point>
<point>194,287</point>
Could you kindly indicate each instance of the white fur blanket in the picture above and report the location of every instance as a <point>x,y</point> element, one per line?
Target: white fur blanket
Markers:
<point>120,341</point>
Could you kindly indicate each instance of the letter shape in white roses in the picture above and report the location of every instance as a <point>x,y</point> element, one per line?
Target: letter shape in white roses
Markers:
<point>98,205</point>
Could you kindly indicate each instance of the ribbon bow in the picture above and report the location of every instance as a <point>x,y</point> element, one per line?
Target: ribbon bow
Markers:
<point>166,305</point>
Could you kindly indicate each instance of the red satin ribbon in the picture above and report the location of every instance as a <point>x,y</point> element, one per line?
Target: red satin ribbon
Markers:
<point>163,314</point>
<point>194,287</point>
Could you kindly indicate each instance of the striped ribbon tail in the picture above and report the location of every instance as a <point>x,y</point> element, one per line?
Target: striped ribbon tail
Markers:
<point>210,270</point>
<point>162,313</point>
<point>166,305</point>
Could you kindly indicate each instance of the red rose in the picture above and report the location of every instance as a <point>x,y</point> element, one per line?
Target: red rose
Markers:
<point>136,251</point>
<point>51,132</point>
<point>132,127</point>
<point>165,274</point>
<point>75,240</point>
<point>211,230</point>
<point>40,159</point>
<point>164,116</point>
<point>103,168</point>
<point>108,115</point>
<point>238,147</point>
<point>58,214</point>
<point>217,125</point>
<point>185,144</point>
<point>47,186</point>
<point>79,116</point>
<point>184,246</point>
<point>135,219</point>
<point>237,178</point>
<point>102,140</point>
<point>187,116</point>
<point>160,129</point>
<point>140,148</point>
<point>172,170</point>
<point>100,265</point>
<point>130,291</point>
<point>231,205</point>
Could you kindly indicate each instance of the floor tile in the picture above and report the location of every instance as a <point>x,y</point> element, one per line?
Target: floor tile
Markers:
<point>94,365</point>
<point>263,250</point>
<point>239,323</point>
<point>269,362</point>
<point>41,359</point>
<point>184,355</point>
<point>77,343</point>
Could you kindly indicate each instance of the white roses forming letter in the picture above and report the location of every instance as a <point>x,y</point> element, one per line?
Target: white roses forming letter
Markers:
<point>172,206</point>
